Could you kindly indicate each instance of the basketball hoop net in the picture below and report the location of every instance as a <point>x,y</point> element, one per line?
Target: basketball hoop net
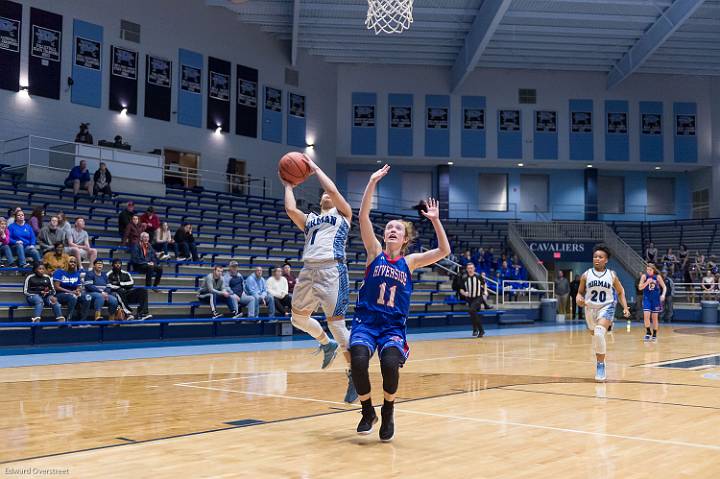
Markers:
<point>389,16</point>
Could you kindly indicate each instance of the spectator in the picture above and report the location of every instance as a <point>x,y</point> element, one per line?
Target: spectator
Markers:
<point>290,277</point>
<point>84,135</point>
<point>125,217</point>
<point>278,288</point>
<point>574,287</point>
<point>186,243</point>
<point>683,256</point>
<point>479,261</point>
<point>102,179</point>
<point>23,238</point>
<point>670,260</point>
<point>474,291</point>
<point>68,287</point>
<point>122,285</point>
<point>64,224</point>
<point>78,243</point>
<point>562,291</point>
<point>489,259</point>
<point>97,286</point>
<point>236,283</point>
<point>164,241</point>
<point>11,214</point>
<point>708,286</point>
<point>466,258</point>
<point>5,243</point>
<point>56,258</point>
<point>39,292</point>
<point>667,312</point>
<point>145,261</point>
<point>36,219</point>
<point>132,232</point>
<point>49,235</point>
<point>79,178</point>
<point>651,252</point>
<point>699,261</point>
<point>214,290</point>
<point>256,287</point>
<point>150,222</point>
<point>118,141</point>
<point>420,208</point>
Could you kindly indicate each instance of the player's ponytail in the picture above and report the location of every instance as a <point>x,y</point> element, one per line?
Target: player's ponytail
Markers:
<point>410,235</point>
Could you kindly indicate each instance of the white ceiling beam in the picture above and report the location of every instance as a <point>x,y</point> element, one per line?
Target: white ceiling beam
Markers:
<point>295,32</point>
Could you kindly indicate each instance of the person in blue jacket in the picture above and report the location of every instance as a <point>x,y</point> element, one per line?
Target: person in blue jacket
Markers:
<point>22,238</point>
<point>79,178</point>
<point>96,285</point>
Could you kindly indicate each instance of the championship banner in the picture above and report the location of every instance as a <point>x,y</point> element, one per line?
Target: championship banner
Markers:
<point>190,79</point>
<point>87,64</point>
<point>509,120</point>
<point>401,117</point>
<point>364,122</point>
<point>400,124</point>
<point>686,146</point>
<point>296,125</point>
<point>10,37</point>
<point>617,123</point>
<point>651,131</point>
<point>45,55</point>
<point>580,136</point>
<point>246,109</point>
<point>296,105</point>
<point>545,140</point>
<point>272,115</point>
<point>581,122</point>
<point>509,135</point>
<point>437,125</point>
<point>437,118</point>
<point>88,53</point>
<point>123,79</point>
<point>218,94</point>
<point>190,99</point>
<point>685,125</point>
<point>158,87</point>
<point>364,116</point>
<point>546,121</point>
<point>473,119</point>
<point>651,124</point>
<point>472,135</point>
<point>617,139</point>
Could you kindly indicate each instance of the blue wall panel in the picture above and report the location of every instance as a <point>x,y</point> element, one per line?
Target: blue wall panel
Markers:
<point>272,120</point>
<point>87,64</point>
<point>616,125</point>
<point>651,131</point>
<point>364,124</point>
<point>686,150</point>
<point>190,98</point>
<point>437,125</point>
<point>296,119</point>
<point>400,129</point>
<point>472,120</point>
<point>509,142</point>
<point>545,144</point>
<point>581,132</point>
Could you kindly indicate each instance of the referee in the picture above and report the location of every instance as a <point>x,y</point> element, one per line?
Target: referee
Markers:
<point>474,291</point>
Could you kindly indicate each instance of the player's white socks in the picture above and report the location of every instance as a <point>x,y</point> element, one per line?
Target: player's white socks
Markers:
<point>309,325</point>
<point>599,340</point>
<point>340,332</point>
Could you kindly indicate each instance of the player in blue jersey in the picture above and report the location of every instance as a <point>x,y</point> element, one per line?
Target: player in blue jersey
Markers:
<point>654,289</point>
<point>383,305</point>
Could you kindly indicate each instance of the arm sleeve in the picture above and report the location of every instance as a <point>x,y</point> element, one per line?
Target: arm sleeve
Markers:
<point>251,286</point>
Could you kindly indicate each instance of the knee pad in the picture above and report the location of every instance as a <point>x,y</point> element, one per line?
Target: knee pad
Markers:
<point>340,332</point>
<point>359,364</point>
<point>302,322</point>
<point>390,361</point>
<point>599,340</point>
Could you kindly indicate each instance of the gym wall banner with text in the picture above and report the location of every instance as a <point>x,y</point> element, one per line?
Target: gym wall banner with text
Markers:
<point>218,94</point>
<point>10,39</point>
<point>123,79</point>
<point>246,106</point>
<point>190,99</point>
<point>87,64</point>
<point>158,87</point>
<point>45,53</point>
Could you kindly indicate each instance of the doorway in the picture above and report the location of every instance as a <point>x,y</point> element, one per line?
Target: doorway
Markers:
<point>181,169</point>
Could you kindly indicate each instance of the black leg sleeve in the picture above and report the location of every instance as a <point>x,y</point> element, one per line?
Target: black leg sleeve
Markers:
<point>359,364</point>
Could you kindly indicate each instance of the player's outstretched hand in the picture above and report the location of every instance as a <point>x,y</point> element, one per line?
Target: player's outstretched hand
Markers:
<point>285,183</point>
<point>626,312</point>
<point>380,174</point>
<point>433,209</point>
<point>313,166</point>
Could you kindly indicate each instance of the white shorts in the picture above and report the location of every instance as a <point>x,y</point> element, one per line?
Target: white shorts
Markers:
<point>83,253</point>
<point>593,314</point>
<point>326,285</point>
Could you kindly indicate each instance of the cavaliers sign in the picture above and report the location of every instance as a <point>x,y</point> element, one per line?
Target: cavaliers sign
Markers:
<point>562,250</point>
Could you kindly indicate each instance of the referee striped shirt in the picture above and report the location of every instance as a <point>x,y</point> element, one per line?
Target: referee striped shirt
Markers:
<point>474,286</point>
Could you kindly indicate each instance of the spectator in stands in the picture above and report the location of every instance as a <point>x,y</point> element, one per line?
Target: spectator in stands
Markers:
<point>150,222</point>
<point>236,283</point>
<point>79,178</point>
<point>84,135</point>
<point>68,287</point>
<point>669,260</point>
<point>22,238</point>
<point>489,259</point>
<point>574,287</point>
<point>125,217</point>
<point>505,271</point>
<point>5,243</point>
<point>256,287</point>
<point>63,224</point>
<point>39,292</point>
<point>277,286</point>
<point>132,232</point>
<point>479,260</point>
<point>186,243</point>
<point>708,286</point>
<point>420,207</point>
<point>36,219</point>
<point>123,286</point>
<point>214,290</point>
<point>290,277</point>
<point>56,258</point>
<point>474,290</point>
<point>683,257</point>
<point>78,243</point>
<point>49,235</point>
<point>97,286</point>
<point>651,252</point>
<point>700,261</point>
<point>144,260</point>
<point>562,291</point>
<point>102,179</point>
<point>164,241</point>
<point>466,258</point>
<point>11,214</point>
<point>518,272</point>
<point>118,141</point>
<point>667,312</point>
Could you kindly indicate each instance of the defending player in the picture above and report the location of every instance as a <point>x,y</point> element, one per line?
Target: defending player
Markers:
<point>598,293</point>
<point>384,303</point>
<point>323,279</point>
<point>651,284</point>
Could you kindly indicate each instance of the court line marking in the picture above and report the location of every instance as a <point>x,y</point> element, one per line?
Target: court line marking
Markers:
<point>680,360</point>
<point>280,396</point>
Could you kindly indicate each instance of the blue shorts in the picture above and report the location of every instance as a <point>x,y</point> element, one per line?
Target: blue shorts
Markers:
<point>652,304</point>
<point>379,338</point>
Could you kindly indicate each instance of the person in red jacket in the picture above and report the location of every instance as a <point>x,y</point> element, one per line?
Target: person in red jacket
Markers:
<point>150,222</point>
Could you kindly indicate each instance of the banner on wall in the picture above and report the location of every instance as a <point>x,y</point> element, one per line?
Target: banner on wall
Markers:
<point>10,37</point>
<point>9,34</point>
<point>158,86</point>
<point>400,117</point>
<point>124,63</point>
<point>364,116</point>
<point>509,120</point>
<point>219,86</point>
<point>685,125</point>
<point>247,93</point>
<point>473,119</point>
<point>44,53</point>
<point>191,81</point>
<point>651,124</point>
<point>159,72</point>
<point>437,118</point>
<point>246,110</point>
<point>562,251</point>
<point>581,122</point>
<point>296,105</point>
<point>45,44</point>
<point>546,121</point>
<point>273,99</point>
<point>88,53</point>
<point>617,123</point>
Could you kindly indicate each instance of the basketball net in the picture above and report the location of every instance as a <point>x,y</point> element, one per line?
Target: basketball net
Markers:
<point>389,16</point>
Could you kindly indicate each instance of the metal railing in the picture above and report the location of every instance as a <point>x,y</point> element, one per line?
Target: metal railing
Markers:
<point>624,253</point>
<point>531,262</point>
<point>517,291</point>
<point>689,294</point>
<point>218,180</point>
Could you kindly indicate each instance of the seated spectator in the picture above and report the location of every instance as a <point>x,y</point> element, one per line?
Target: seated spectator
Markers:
<point>132,232</point>
<point>102,179</point>
<point>480,260</point>
<point>290,277</point>
<point>36,219</point>
<point>11,214</point>
<point>683,256</point>
<point>236,283</point>
<point>79,178</point>
<point>466,258</point>
<point>78,243</point>
<point>144,260</point>
<point>489,259</point>
<point>651,252</point>
<point>150,222</point>
<point>518,272</point>
<point>277,286</point>
<point>39,292</point>
<point>118,141</point>
<point>5,243</point>
<point>214,290</point>
<point>186,243</point>
<point>97,286</point>
<point>256,287</point>
<point>164,241</point>
<point>670,260</point>
<point>56,258</point>
<point>49,235</point>
<point>123,287</point>
<point>22,238</point>
<point>68,288</point>
<point>63,224</point>
<point>84,135</point>
<point>708,286</point>
<point>125,217</point>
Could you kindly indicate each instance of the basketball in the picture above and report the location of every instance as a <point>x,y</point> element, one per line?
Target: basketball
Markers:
<point>293,168</point>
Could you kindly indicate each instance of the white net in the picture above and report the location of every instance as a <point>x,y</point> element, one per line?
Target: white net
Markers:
<point>389,16</point>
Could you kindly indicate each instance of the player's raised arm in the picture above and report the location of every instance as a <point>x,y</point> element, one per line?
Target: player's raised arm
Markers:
<point>580,297</point>
<point>419,260</point>
<point>297,216</point>
<point>621,296</point>
<point>328,185</point>
<point>370,241</point>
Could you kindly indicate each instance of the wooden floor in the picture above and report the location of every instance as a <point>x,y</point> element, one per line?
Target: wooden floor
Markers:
<point>522,406</point>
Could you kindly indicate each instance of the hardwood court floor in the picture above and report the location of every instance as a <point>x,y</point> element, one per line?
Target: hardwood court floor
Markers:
<point>521,406</point>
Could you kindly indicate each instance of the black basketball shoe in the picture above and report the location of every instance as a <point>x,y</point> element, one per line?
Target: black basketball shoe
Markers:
<point>365,426</point>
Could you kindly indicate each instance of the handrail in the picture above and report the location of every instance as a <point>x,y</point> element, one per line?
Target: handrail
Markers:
<point>625,254</point>
<point>536,270</point>
<point>519,286</point>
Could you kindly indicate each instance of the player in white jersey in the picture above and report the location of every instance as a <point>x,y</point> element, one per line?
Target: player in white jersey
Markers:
<point>598,293</point>
<point>323,279</point>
